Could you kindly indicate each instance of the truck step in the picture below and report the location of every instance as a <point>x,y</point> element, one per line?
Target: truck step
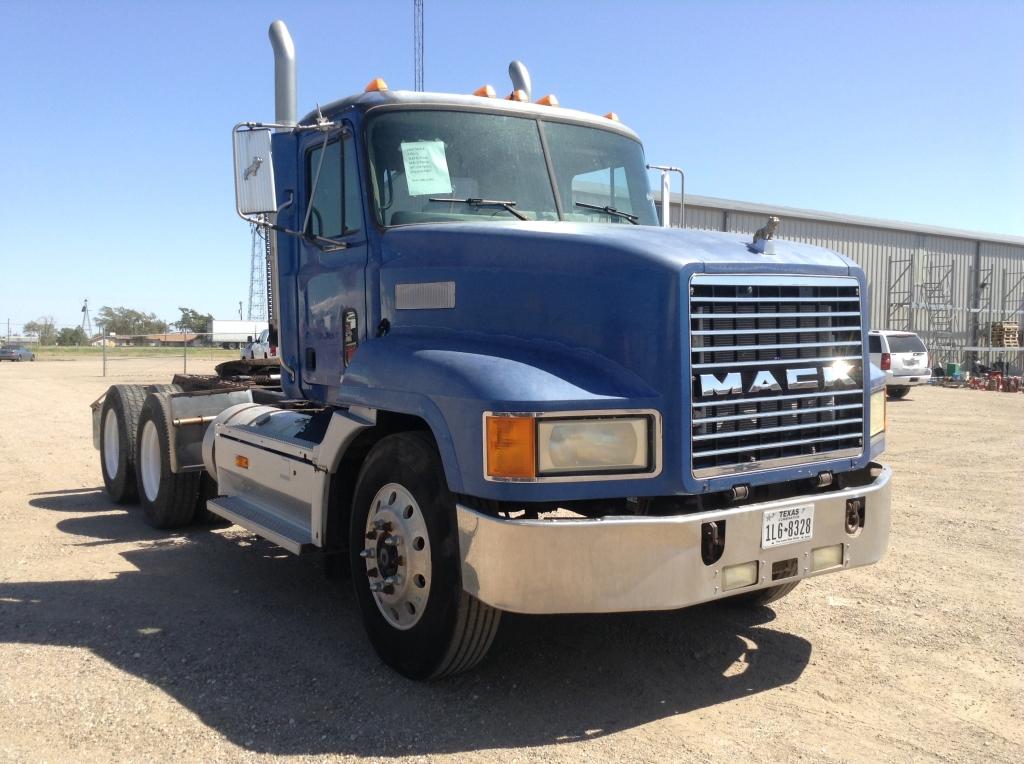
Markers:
<point>295,538</point>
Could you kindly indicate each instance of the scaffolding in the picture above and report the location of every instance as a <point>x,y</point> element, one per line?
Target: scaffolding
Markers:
<point>937,291</point>
<point>899,313</point>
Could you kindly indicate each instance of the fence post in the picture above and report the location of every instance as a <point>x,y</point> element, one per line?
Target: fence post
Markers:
<point>103,345</point>
<point>184,355</point>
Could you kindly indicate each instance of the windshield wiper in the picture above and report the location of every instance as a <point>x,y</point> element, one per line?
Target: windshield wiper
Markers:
<point>473,202</point>
<point>610,211</point>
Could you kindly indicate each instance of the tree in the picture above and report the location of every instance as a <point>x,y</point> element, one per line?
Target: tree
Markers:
<point>193,321</point>
<point>125,321</point>
<point>68,336</point>
<point>43,328</point>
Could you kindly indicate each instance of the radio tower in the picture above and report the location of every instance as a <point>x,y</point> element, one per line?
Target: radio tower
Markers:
<point>417,33</point>
<point>257,276</point>
<point>86,320</point>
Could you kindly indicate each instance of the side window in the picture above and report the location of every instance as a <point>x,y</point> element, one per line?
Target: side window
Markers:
<point>337,210</point>
<point>874,343</point>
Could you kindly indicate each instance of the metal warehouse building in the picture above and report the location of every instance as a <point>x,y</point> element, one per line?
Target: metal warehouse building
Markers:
<point>947,285</point>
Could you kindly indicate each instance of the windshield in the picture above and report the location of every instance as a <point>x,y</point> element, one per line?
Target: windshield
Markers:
<point>436,166</point>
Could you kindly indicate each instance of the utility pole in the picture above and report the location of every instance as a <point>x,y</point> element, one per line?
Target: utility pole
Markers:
<point>417,47</point>
<point>239,310</point>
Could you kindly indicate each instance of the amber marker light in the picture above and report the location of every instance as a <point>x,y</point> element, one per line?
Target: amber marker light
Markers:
<point>376,84</point>
<point>612,116</point>
<point>242,461</point>
<point>549,100</point>
<point>511,447</point>
<point>485,91</point>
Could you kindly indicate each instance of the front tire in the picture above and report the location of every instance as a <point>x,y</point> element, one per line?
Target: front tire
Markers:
<point>406,571</point>
<point>119,420</point>
<point>169,499</point>
<point>895,393</point>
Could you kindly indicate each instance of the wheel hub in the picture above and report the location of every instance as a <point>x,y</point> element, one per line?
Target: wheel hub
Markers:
<point>397,555</point>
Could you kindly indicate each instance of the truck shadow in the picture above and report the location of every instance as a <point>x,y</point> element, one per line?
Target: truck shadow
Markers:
<point>271,655</point>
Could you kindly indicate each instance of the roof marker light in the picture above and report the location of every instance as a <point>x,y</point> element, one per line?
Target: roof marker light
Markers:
<point>612,116</point>
<point>376,84</point>
<point>548,100</point>
<point>485,91</point>
<point>517,95</point>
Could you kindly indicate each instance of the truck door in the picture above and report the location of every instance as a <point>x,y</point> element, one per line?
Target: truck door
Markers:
<point>331,280</point>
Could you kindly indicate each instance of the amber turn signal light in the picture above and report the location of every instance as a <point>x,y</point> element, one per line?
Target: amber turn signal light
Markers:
<point>242,461</point>
<point>376,84</point>
<point>511,447</point>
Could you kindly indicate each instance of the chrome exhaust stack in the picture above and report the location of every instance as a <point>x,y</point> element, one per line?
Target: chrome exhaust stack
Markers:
<point>520,77</point>
<point>285,88</point>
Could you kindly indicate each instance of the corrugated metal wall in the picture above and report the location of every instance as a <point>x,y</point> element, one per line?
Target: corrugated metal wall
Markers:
<point>948,262</point>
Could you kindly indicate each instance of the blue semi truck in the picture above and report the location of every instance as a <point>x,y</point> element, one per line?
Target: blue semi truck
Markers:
<point>504,386</point>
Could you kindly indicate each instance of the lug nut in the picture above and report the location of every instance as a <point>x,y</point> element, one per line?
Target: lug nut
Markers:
<point>376,586</point>
<point>372,573</point>
<point>371,535</point>
<point>368,553</point>
<point>382,525</point>
<point>392,580</point>
<point>393,541</point>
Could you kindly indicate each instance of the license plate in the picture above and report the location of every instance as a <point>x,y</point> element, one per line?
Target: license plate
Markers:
<point>910,362</point>
<point>787,526</point>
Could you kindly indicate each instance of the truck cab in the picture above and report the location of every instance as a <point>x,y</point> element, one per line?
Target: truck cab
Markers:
<point>506,387</point>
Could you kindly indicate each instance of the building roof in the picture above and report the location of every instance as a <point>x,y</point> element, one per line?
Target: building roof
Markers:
<point>834,217</point>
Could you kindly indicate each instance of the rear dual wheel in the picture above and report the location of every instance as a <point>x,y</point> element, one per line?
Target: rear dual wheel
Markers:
<point>406,569</point>
<point>169,499</point>
<point>119,420</point>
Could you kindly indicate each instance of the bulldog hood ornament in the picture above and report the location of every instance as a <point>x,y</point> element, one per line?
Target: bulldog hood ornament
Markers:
<point>763,237</point>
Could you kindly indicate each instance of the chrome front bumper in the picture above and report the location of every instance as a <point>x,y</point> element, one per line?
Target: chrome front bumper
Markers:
<point>619,564</point>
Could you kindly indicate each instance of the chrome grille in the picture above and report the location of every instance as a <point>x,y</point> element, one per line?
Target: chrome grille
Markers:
<point>777,372</point>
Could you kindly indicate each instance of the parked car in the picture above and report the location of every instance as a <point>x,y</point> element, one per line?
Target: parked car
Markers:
<point>259,348</point>
<point>16,353</point>
<point>903,357</point>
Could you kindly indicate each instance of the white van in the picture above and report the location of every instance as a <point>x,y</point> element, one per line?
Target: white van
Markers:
<point>903,357</point>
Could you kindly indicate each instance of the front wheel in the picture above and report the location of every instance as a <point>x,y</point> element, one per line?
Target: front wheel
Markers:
<point>406,570</point>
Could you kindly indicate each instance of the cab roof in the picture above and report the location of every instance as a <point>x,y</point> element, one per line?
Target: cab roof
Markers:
<point>366,102</point>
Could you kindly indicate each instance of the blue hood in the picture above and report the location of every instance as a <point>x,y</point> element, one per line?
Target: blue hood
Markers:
<point>611,290</point>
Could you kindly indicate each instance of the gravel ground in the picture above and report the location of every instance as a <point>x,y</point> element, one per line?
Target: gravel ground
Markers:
<point>121,643</point>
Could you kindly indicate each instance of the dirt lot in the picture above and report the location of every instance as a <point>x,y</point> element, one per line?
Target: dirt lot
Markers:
<point>122,643</point>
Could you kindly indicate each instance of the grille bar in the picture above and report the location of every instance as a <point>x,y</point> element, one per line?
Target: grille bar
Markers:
<point>780,330</point>
<point>746,333</point>
<point>787,346</point>
<point>768,430</point>
<point>783,443</point>
<point>774,362</point>
<point>758,299</point>
<point>830,314</point>
<point>742,401</point>
<point>779,413</point>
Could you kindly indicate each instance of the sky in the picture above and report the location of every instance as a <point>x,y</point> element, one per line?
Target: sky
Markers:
<point>117,169</point>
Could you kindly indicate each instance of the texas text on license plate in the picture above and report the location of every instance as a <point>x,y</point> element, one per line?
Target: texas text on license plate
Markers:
<point>787,526</point>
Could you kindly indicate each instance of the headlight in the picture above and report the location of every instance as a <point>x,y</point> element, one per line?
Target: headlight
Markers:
<point>591,445</point>
<point>531,447</point>
<point>877,412</point>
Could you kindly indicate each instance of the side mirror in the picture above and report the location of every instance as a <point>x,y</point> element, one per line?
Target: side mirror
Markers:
<point>254,171</point>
